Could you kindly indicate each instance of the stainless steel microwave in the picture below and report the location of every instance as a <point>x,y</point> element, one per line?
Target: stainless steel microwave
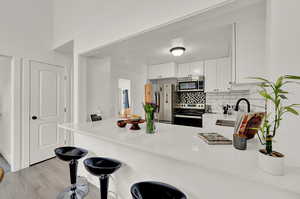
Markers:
<point>193,85</point>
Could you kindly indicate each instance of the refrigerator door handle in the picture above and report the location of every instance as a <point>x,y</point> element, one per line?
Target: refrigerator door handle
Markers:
<point>167,98</point>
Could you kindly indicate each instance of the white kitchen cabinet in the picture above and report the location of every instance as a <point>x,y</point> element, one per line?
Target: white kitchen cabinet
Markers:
<point>197,68</point>
<point>211,76</point>
<point>218,75</point>
<point>160,71</point>
<point>183,70</point>
<point>224,74</point>
<point>191,69</point>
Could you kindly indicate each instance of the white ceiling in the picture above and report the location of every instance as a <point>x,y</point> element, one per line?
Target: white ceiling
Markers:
<point>202,40</point>
<point>153,48</point>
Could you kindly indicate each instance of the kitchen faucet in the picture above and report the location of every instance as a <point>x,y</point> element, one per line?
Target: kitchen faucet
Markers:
<point>238,102</point>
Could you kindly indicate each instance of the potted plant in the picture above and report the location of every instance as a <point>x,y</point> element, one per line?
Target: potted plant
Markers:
<point>276,98</point>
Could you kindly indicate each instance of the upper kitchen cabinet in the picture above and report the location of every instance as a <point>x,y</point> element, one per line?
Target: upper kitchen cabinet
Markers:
<point>191,69</point>
<point>197,68</point>
<point>224,74</point>
<point>161,71</point>
<point>218,75</point>
<point>211,76</point>
<point>183,70</point>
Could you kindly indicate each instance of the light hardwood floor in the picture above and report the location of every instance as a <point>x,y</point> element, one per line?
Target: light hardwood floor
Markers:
<point>41,181</point>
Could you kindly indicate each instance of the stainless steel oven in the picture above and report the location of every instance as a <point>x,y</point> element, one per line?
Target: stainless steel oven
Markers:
<point>188,117</point>
<point>188,120</point>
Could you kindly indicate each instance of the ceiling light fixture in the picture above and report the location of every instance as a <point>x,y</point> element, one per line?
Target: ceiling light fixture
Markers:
<point>177,51</point>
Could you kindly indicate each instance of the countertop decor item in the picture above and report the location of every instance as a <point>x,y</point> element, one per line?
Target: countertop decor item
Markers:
<point>274,94</point>
<point>135,124</point>
<point>239,142</point>
<point>121,123</point>
<point>248,124</point>
<point>214,139</point>
<point>150,109</point>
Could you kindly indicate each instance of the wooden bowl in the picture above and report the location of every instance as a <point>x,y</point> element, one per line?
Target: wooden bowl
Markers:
<point>121,123</point>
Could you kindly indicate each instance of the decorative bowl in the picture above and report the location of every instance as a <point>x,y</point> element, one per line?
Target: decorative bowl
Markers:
<point>121,123</point>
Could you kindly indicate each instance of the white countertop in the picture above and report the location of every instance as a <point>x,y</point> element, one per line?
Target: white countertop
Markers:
<point>183,144</point>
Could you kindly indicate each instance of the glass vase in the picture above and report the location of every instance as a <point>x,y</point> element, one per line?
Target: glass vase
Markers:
<point>150,123</point>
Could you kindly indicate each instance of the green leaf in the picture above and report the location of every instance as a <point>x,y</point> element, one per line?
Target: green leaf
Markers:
<point>263,85</point>
<point>291,82</point>
<point>292,77</point>
<point>260,78</point>
<point>266,95</point>
<point>283,97</point>
<point>282,91</point>
<point>293,105</point>
<point>291,110</point>
<point>278,83</point>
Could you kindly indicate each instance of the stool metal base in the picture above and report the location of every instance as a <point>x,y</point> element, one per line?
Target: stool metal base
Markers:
<point>81,190</point>
<point>68,194</point>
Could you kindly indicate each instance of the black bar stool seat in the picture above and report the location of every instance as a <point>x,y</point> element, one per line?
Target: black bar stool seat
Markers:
<point>157,190</point>
<point>103,168</point>
<point>72,155</point>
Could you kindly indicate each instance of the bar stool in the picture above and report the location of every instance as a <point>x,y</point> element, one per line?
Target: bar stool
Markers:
<point>72,155</point>
<point>157,190</point>
<point>103,168</point>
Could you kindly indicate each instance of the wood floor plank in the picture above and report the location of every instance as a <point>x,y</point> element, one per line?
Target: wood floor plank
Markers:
<point>41,181</point>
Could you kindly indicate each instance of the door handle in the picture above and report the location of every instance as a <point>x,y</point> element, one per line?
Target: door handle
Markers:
<point>34,117</point>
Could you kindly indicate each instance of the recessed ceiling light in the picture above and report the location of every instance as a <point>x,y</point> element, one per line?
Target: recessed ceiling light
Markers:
<point>177,51</point>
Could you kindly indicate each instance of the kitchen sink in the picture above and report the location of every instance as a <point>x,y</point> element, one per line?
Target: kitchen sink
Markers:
<point>229,123</point>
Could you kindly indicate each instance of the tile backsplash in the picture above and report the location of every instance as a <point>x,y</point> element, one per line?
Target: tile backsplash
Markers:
<point>217,100</point>
<point>190,97</point>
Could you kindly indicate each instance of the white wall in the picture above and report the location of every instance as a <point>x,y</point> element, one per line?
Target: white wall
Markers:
<point>26,33</point>
<point>26,30</point>
<point>94,23</point>
<point>101,77</point>
<point>99,87</point>
<point>5,107</point>
<point>283,58</point>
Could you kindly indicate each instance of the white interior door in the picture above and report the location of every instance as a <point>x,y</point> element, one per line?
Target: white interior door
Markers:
<point>46,110</point>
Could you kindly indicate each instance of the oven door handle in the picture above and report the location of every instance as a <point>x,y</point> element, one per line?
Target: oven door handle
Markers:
<point>189,116</point>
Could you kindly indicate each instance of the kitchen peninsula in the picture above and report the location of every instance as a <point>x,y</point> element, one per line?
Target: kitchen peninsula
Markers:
<point>176,155</point>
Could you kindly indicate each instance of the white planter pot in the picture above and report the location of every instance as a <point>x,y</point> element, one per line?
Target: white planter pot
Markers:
<point>270,164</point>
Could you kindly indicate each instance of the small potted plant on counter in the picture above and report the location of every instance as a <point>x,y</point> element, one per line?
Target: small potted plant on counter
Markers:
<point>276,97</point>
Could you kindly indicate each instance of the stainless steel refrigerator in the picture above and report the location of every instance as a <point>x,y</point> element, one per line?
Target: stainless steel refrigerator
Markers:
<point>164,97</point>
